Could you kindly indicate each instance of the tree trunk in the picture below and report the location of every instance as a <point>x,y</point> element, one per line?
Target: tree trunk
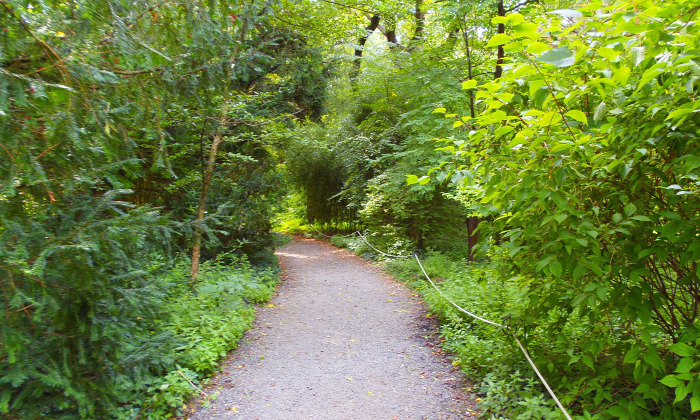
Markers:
<point>373,24</point>
<point>420,23</point>
<point>501,52</point>
<point>201,208</point>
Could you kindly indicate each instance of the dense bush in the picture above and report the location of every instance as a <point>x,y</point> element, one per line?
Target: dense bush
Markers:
<point>140,341</point>
<point>588,159</point>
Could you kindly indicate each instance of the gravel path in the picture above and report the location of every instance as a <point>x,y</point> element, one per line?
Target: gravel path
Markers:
<point>340,340</point>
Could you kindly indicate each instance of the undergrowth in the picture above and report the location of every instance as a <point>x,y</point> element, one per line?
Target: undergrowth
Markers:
<point>205,326</point>
<point>507,387</point>
<point>185,331</point>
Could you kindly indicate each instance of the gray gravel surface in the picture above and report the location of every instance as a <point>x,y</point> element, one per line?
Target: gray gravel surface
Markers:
<point>339,340</point>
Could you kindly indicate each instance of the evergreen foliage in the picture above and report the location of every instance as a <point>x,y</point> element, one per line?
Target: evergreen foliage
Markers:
<point>107,109</point>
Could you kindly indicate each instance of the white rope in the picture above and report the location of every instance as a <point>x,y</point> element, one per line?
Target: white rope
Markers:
<point>454,304</point>
<point>539,375</point>
<point>527,356</point>
<point>383,253</point>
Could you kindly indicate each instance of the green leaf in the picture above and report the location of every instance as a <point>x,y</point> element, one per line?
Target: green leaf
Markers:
<point>629,209</point>
<point>651,356</point>
<point>682,349</point>
<point>469,84</point>
<point>558,57</point>
<point>537,48</point>
<point>411,179</point>
<point>695,402</point>
<point>650,74</point>
<point>681,392</point>
<point>555,268</point>
<point>617,411</point>
<point>423,180</point>
<point>632,355</point>
<point>439,110</point>
<point>498,39</point>
<point>578,116</point>
<point>527,30</point>
<point>685,365</point>
<point>671,381</point>
<point>599,112</point>
<point>457,124</point>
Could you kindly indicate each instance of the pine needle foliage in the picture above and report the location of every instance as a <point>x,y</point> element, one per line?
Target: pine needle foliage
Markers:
<point>103,107</point>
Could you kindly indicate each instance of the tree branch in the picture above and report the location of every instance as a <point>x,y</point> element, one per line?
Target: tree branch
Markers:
<point>521,4</point>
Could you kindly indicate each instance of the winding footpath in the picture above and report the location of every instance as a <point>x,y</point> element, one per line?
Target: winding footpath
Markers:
<point>339,340</point>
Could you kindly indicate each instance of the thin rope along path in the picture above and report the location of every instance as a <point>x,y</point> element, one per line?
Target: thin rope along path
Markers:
<point>496,324</point>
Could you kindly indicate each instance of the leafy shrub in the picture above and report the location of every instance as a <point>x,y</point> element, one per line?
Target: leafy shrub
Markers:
<point>592,180</point>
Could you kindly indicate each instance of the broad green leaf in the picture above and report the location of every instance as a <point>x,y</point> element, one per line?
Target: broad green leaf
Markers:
<point>549,119</point>
<point>504,96</point>
<point>651,356</point>
<point>599,112</point>
<point>618,412</point>
<point>608,53</point>
<point>555,268</point>
<point>423,180</point>
<point>498,39</point>
<point>411,179</point>
<point>515,46</point>
<point>558,57</point>
<point>578,116</point>
<point>537,48</point>
<point>515,19</point>
<point>695,402</point>
<point>682,349</point>
<point>457,124</point>
<point>685,365</point>
<point>637,55</point>
<point>469,84</point>
<point>527,30</point>
<point>629,209</point>
<point>650,74</point>
<point>439,110</point>
<point>681,392</point>
<point>671,381</point>
<point>632,355</point>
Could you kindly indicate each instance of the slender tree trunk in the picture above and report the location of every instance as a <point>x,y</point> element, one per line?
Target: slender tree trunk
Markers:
<point>201,208</point>
<point>470,75</point>
<point>501,52</point>
<point>420,23</point>
<point>373,24</point>
<point>211,162</point>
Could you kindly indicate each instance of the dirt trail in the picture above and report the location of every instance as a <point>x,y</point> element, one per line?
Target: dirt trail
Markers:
<point>340,340</point>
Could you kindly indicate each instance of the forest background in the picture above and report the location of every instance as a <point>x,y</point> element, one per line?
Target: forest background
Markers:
<point>542,158</point>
